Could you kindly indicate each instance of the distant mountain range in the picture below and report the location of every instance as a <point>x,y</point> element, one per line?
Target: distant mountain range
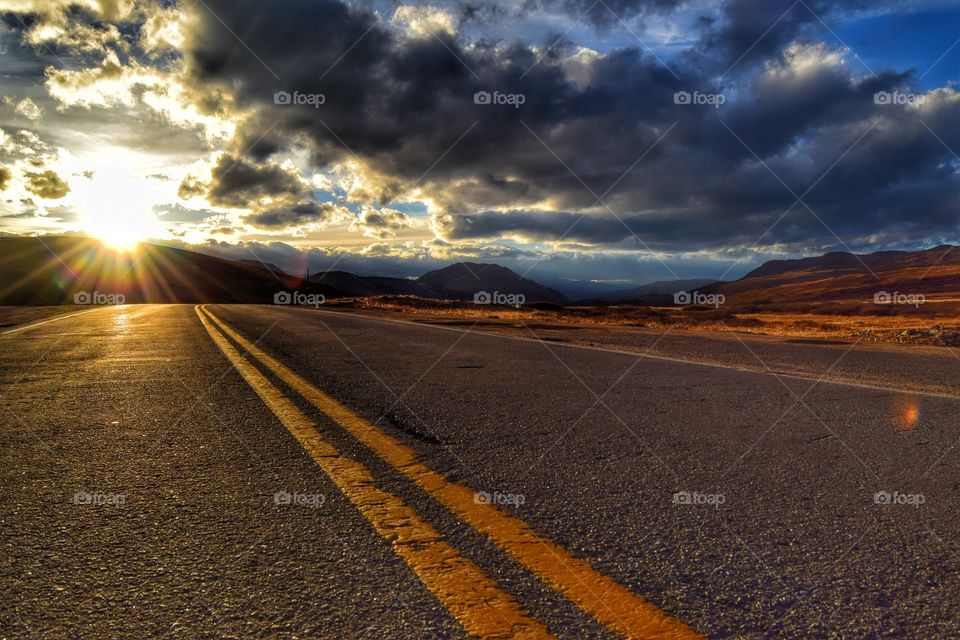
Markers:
<point>836,278</point>
<point>839,262</point>
<point>460,281</point>
<point>53,269</point>
<point>355,285</point>
<point>661,287</point>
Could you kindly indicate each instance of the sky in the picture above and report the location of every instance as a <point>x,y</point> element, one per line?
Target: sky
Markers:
<point>583,143</point>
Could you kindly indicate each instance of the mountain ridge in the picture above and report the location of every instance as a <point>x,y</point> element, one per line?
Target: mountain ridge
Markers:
<point>51,269</point>
<point>844,279</point>
<point>660,287</point>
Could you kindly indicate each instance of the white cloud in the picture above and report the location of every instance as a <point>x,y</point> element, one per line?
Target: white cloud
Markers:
<point>424,21</point>
<point>112,84</point>
<point>28,109</point>
<point>801,60</point>
<point>578,68</point>
<point>110,9</point>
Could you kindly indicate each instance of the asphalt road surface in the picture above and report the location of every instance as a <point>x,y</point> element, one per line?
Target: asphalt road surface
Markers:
<point>274,472</point>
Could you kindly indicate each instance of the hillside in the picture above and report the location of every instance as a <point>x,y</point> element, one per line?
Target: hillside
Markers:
<point>52,270</point>
<point>463,280</point>
<point>845,281</point>
<point>661,287</point>
<point>841,261</point>
<point>372,285</point>
<point>459,281</point>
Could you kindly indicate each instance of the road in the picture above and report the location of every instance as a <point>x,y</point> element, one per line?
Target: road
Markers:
<point>274,472</point>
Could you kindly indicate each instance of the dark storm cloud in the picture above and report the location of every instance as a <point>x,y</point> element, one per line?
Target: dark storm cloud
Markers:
<point>693,230</point>
<point>748,31</point>
<point>601,14</point>
<point>707,174</point>
<point>294,216</point>
<point>535,225</point>
<point>382,223</point>
<point>400,104</point>
<point>235,182</point>
<point>5,176</point>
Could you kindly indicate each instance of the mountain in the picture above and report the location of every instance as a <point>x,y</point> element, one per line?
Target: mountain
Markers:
<point>462,281</point>
<point>668,287</point>
<point>459,281</point>
<point>53,269</point>
<point>577,289</point>
<point>842,261</point>
<point>355,285</point>
<point>845,280</point>
<point>269,266</point>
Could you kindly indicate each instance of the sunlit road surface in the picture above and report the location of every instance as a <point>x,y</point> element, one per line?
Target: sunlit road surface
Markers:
<point>268,472</point>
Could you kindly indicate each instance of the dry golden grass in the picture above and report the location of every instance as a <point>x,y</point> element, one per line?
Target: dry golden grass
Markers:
<point>933,326</point>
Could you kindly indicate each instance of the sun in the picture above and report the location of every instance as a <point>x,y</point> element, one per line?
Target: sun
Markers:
<point>117,238</point>
<point>115,210</point>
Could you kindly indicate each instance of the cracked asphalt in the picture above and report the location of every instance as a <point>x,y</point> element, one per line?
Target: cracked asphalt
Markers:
<point>139,472</point>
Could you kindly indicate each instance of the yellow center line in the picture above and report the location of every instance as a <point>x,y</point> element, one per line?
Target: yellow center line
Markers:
<point>609,602</point>
<point>472,597</point>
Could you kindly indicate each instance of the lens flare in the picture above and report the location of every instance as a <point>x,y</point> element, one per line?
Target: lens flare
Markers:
<point>906,413</point>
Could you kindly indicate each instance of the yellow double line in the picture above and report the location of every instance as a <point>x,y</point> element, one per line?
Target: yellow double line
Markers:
<point>471,596</point>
